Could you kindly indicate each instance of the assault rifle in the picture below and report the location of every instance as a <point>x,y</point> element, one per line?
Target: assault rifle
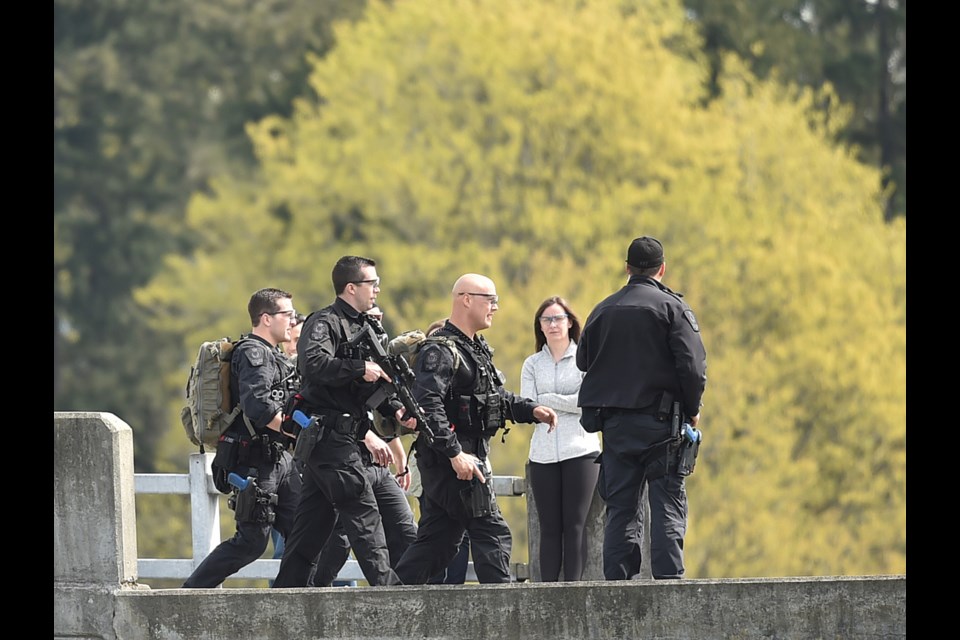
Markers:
<point>402,380</point>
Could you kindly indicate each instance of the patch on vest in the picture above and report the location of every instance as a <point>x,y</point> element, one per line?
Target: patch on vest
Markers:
<point>254,357</point>
<point>688,314</point>
<point>319,332</point>
<point>431,360</point>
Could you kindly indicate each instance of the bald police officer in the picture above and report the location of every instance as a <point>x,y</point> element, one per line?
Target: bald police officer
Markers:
<point>465,404</point>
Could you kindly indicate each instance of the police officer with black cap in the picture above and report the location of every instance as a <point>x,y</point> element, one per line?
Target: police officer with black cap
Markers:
<point>336,382</point>
<point>645,372</point>
<point>462,396</point>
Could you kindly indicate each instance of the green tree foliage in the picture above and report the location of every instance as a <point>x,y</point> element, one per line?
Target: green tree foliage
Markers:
<point>857,47</point>
<point>150,100</point>
<point>530,142</point>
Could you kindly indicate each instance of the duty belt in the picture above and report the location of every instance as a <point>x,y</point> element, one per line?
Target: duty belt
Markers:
<point>265,448</point>
<point>652,410</point>
<point>342,423</point>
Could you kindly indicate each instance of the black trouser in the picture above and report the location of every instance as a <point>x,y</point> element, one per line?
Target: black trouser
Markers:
<point>443,520</point>
<point>563,492</point>
<point>329,491</point>
<point>398,526</point>
<point>456,571</point>
<point>250,539</point>
<point>631,457</point>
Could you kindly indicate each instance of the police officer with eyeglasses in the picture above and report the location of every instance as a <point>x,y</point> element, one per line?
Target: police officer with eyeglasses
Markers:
<point>336,382</point>
<point>466,404</point>
<point>262,379</point>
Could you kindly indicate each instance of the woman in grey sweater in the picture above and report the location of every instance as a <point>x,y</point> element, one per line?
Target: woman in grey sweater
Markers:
<point>563,474</point>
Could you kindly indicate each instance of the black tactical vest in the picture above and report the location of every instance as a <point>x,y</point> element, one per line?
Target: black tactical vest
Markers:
<point>476,410</point>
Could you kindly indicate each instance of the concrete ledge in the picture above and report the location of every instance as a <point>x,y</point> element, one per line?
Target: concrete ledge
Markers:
<point>96,594</point>
<point>82,611</point>
<point>783,608</point>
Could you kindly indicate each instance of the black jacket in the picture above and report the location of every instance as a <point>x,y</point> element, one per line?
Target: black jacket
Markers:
<point>637,344</point>
<point>330,381</point>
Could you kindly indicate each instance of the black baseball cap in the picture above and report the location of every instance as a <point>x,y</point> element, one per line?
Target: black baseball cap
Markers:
<point>645,253</point>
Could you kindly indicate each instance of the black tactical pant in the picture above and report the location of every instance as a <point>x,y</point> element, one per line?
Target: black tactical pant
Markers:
<point>329,491</point>
<point>443,520</point>
<point>398,526</point>
<point>250,539</point>
<point>632,455</point>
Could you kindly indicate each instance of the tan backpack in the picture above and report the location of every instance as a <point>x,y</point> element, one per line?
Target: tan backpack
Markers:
<point>407,345</point>
<point>210,409</point>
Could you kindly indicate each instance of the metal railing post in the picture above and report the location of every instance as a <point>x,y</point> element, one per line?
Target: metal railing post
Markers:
<point>204,507</point>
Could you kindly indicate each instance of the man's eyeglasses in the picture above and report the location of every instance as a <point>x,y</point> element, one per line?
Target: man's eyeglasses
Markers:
<point>290,313</point>
<point>492,297</point>
<point>375,282</point>
<point>549,320</point>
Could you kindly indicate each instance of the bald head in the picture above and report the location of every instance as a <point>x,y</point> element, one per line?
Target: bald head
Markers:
<point>474,303</point>
<point>472,282</point>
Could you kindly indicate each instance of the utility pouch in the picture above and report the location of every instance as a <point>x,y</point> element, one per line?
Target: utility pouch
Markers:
<point>675,418</point>
<point>492,409</point>
<point>591,419</point>
<point>345,424</point>
<point>253,505</point>
<point>479,499</point>
<point>246,457</point>
<point>667,407</point>
<point>225,460</point>
<point>464,419</point>
<point>306,442</point>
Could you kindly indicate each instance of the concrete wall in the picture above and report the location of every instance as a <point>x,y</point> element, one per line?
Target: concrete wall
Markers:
<point>96,595</point>
<point>94,522</point>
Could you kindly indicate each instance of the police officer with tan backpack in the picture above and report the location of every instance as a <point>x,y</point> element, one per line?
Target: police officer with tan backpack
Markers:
<point>253,447</point>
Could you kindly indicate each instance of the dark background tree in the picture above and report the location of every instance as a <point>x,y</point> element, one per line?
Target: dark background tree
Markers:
<point>150,100</point>
<point>858,46</point>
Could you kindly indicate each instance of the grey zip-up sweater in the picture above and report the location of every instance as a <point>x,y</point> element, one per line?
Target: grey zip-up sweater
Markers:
<point>557,385</point>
